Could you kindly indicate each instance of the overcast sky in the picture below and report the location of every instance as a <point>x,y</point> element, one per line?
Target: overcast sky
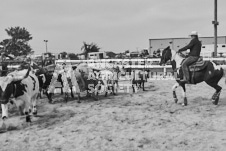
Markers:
<point>114,25</point>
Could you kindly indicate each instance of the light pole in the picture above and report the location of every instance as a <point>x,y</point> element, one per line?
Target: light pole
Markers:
<point>46,45</point>
<point>215,23</point>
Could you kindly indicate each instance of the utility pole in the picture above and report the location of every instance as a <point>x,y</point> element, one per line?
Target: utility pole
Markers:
<point>215,23</point>
<point>46,45</point>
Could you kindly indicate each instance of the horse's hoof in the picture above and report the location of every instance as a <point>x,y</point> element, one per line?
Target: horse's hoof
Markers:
<point>185,102</point>
<point>175,100</point>
<point>51,102</point>
<point>215,102</point>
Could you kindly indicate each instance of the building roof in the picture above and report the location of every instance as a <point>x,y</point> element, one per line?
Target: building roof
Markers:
<point>184,38</point>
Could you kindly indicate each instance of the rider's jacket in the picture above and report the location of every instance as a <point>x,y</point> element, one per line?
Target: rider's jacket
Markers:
<point>195,47</point>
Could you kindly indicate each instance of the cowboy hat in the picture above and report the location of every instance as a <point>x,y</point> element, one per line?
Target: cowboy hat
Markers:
<point>194,33</point>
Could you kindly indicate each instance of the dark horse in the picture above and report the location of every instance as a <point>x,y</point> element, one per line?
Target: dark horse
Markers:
<point>200,71</point>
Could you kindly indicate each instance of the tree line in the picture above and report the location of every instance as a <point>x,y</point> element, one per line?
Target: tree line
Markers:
<point>18,44</point>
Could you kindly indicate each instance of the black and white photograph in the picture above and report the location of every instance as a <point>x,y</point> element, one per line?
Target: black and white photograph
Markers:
<point>112,75</point>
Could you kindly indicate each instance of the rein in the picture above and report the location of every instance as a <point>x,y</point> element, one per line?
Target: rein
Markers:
<point>14,90</point>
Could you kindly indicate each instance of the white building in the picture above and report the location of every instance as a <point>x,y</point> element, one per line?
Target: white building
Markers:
<point>97,55</point>
<point>177,43</point>
<point>207,50</point>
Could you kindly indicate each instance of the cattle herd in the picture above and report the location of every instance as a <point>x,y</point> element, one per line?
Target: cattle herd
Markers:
<point>27,85</point>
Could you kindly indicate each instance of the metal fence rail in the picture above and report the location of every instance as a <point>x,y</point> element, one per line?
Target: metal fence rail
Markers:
<point>151,63</point>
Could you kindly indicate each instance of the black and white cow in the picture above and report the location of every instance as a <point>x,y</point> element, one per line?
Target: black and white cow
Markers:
<point>19,86</point>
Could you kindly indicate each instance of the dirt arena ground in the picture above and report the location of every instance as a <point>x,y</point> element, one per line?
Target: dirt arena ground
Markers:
<point>146,121</point>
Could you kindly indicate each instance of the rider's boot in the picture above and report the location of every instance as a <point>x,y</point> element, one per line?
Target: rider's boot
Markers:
<point>184,80</point>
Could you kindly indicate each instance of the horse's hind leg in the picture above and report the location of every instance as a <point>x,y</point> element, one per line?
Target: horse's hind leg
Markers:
<point>216,95</point>
<point>174,92</point>
<point>184,95</point>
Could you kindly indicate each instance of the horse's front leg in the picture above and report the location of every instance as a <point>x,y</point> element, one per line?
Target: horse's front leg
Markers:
<point>174,92</point>
<point>184,95</point>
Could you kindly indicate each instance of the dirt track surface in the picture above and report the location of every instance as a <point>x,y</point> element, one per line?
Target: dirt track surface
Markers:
<point>147,121</point>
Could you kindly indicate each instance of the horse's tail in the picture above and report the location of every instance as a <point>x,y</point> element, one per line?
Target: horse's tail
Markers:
<point>223,68</point>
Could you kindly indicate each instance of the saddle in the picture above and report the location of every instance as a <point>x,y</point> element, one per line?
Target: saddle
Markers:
<point>198,66</point>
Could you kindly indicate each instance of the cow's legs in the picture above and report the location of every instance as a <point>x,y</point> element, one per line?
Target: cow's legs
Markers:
<point>97,88</point>
<point>40,94</point>
<point>34,107</point>
<point>134,86</point>
<point>61,89</point>
<point>106,90</point>
<point>66,97</point>
<point>106,87</point>
<point>26,111</point>
<point>4,111</point>
<point>79,101</point>
<point>72,95</point>
<point>113,89</point>
<point>116,85</point>
<point>49,96</point>
<point>143,85</point>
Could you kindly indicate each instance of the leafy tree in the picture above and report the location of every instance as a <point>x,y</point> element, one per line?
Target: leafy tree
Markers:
<point>157,53</point>
<point>87,48</point>
<point>73,56</point>
<point>127,51</point>
<point>144,53</point>
<point>48,58</point>
<point>17,44</point>
<point>110,54</point>
<point>63,55</point>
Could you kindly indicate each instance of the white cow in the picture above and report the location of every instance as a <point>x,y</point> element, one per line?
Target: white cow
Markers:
<point>19,86</point>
